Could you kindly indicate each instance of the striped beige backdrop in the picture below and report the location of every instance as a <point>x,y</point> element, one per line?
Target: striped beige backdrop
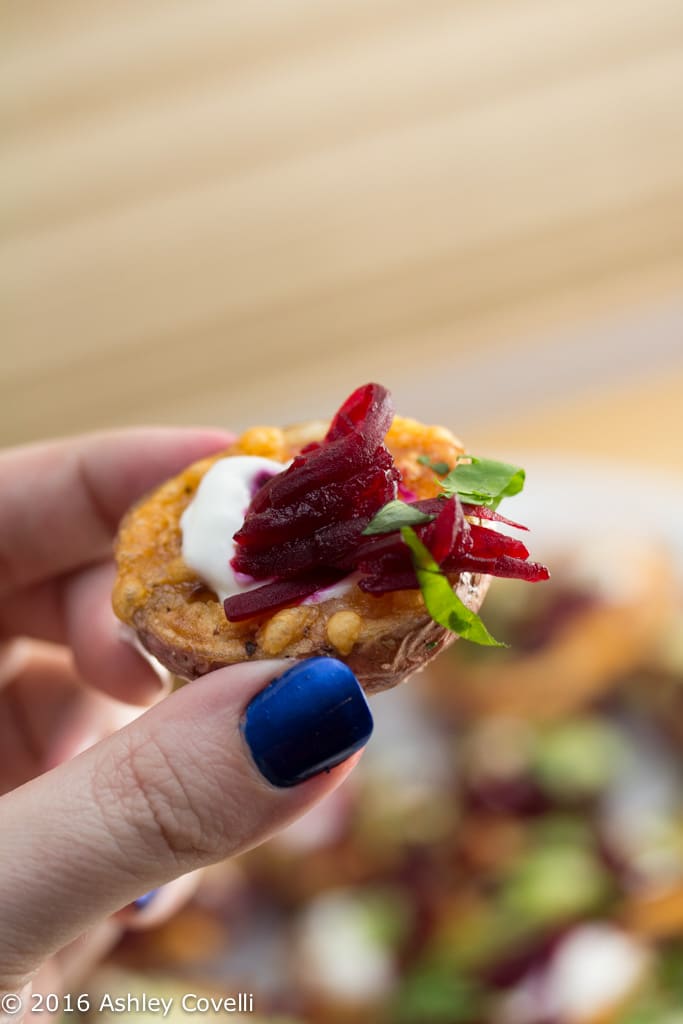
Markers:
<point>236,211</point>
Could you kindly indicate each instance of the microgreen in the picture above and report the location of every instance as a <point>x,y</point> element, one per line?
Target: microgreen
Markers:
<point>393,516</point>
<point>484,481</point>
<point>440,468</point>
<point>442,603</point>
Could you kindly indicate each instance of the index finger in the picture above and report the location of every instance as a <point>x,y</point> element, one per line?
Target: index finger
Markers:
<point>62,500</point>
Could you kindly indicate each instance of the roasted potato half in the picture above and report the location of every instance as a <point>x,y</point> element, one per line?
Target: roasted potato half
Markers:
<point>182,622</point>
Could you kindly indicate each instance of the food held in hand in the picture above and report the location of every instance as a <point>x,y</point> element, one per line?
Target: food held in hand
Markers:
<point>371,539</point>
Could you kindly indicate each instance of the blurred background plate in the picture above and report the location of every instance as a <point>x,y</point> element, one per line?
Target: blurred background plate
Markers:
<point>573,502</point>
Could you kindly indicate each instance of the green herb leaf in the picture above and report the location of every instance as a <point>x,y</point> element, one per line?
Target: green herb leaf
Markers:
<point>484,482</point>
<point>393,516</point>
<point>439,993</point>
<point>441,468</point>
<point>444,606</point>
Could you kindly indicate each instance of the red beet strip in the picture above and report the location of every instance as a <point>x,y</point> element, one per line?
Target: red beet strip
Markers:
<point>273,596</point>
<point>304,526</point>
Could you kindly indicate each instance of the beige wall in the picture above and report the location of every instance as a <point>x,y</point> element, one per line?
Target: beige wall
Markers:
<point>235,212</point>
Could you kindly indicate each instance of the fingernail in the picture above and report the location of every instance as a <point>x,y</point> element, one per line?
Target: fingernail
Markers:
<point>307,720</point>
<point>142,901</point>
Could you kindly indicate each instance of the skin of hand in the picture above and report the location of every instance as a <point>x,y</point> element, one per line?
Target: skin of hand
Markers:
<point>101,800</point>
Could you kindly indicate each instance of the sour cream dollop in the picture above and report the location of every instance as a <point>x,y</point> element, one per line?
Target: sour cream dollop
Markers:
<point>214,516</point>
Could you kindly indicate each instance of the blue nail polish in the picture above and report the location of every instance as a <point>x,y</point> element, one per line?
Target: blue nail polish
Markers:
<point>142,901</point>
<point>307,720</point>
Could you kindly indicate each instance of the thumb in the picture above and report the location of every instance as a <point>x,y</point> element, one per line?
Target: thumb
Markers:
<point>212,770</point>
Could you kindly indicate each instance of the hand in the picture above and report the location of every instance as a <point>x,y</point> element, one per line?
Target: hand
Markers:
<point>150,796</point>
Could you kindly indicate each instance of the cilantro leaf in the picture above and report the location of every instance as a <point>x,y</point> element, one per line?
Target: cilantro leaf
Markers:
<point>484,482</point>
<point>444,606</point>
<point>440,468</point>
<point>393,516</point>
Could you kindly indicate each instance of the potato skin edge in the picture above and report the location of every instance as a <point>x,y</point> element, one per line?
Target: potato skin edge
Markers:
<point>379,664</point>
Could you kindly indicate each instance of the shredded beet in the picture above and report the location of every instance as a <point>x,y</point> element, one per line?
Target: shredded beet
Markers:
<point>503,565</point>
<point>304,527</point>
<point>273,596</point>
<point>482,512</point>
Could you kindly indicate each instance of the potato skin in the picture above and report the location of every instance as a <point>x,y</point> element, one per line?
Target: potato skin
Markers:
<point>182,623</point>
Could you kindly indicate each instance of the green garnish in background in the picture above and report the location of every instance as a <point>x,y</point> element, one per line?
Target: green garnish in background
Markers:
<point>436,993</point>
<point>441,468</point>
<point>441,601</point>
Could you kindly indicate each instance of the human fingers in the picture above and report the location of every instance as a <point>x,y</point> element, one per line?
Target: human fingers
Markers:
<point>62,500</point>
<point>62,973</point>
<point>103,647</point>
<point>156,906</point>
<point>212,770</point>
<point>47,714</point>
<point>75,610</point>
